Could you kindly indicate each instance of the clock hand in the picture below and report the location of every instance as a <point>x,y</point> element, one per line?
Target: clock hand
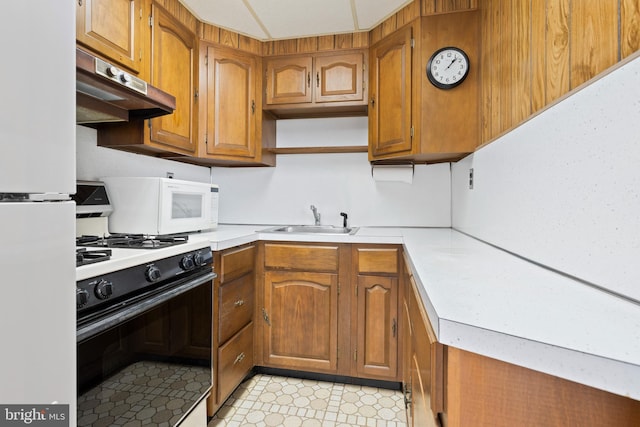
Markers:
<point>454,60</point>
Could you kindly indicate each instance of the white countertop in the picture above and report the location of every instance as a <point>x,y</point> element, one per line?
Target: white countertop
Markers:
<point>487,301</point>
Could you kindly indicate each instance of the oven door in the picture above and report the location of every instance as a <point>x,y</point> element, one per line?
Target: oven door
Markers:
<point>148,361</point>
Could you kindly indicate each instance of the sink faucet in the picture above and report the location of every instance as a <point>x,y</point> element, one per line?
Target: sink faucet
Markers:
<point>316,215</point>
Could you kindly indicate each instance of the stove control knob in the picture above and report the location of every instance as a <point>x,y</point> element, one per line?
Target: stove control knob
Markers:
<point>153,273</point>
<point>104,289</point>
<point>187,263</point>
<point>198,259</point>
<point>125,78</point>
<point>82,298</point>
<point>112,71</point>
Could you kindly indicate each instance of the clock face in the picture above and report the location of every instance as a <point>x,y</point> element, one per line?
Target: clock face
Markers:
<point>448,67</point>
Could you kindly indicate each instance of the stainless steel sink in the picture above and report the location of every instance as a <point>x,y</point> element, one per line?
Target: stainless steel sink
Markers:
<point>312,229</point>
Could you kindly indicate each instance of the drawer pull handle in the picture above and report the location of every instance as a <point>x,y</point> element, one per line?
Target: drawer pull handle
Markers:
<point>265,316</point>
<point>239,358</point>
<point>239,303</point>
<point>394,328</point>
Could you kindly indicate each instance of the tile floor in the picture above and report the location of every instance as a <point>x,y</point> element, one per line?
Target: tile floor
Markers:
<point>266,400</point>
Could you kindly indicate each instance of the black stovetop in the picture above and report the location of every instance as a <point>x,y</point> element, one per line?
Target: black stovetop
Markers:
<point>131,241</point>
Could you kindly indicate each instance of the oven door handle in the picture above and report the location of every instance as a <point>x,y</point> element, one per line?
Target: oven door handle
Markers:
<point>113,319</point>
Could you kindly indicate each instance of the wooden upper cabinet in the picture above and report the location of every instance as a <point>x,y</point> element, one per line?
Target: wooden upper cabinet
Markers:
<point>111,29</point>
<point>410,119</point>
<point>339,78</point>
<point>288,80</point>
<point>390,108</point>
<point>231,114</point>
<point>173,70</point>
<point>318,84</point>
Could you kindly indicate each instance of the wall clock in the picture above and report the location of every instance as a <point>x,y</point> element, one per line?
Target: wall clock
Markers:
<point>448,67</point>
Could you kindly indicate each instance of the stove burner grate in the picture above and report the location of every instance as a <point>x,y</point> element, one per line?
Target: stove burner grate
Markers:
<point>132,241</point>
<point>84,256</point>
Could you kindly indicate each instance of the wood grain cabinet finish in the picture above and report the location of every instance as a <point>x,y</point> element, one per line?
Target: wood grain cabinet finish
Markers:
<point>423,360</point>
<point>233,330</point>
<point>390,108</point>
<point>232,124</point>
<point>173,70</point>
<point>318,84</point>
<point>376,324</point>
<point>112,29</point>
<point>411,119</point>
<point>235,360</point>
<point>300,310</point>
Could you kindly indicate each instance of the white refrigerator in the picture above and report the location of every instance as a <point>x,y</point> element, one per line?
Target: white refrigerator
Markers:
<point>37,238</point>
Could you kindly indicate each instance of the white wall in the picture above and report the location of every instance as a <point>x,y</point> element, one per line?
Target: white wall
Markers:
<point>282,195</point>
<point>334,183</point>
<point>564,188</point>
<point>93,162</point>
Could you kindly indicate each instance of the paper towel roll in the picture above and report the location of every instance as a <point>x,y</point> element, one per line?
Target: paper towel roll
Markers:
<point>392,173</point>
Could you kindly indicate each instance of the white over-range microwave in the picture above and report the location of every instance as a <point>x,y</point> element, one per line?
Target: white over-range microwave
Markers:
<point>158,206</point>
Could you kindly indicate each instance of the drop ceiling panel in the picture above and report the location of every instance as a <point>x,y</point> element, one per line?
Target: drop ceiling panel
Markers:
<point>372,12</point>
<point>229,14</point>
<point>286,19</point>
<point>289,19</point>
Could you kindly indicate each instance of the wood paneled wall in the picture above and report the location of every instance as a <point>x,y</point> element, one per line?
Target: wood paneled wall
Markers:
<point>535,51</point>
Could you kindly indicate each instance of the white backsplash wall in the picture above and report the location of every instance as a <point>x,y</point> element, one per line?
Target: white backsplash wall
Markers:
<point>564,188</point>
<point>93,162</point>
<point>334,183</point>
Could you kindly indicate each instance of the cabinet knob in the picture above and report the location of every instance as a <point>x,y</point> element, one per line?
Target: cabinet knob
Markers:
<point>239,303</point>
<point>309,79</point>
<point>373,101</point>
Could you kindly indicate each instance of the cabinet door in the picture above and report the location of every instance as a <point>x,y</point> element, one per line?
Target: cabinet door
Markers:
<point>300,312</point>
<point>231,103</point>
<point>427,375</point>
<point>172,70</point>
<point>390,91</point>
<point>288,80</point>
<point>377,337</point>
<point>111,28</point>
<point>339,78</point>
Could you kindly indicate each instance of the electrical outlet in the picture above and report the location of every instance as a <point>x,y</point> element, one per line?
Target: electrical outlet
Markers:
<point>471,179</point>
<point>169,174</point>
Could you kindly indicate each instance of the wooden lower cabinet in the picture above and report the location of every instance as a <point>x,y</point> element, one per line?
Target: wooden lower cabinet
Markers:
<point>376,326</point>
<point>331,309</point>
<point>235,360</point>
<point>301,314</point>
<point>233,325</point>
<point>486,392</point>
<point>423,358</point>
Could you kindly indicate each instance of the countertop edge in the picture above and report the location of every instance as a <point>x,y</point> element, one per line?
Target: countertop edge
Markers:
<point>593,370</point>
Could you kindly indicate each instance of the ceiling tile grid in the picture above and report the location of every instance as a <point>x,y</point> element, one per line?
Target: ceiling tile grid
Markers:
<point>288,19</point>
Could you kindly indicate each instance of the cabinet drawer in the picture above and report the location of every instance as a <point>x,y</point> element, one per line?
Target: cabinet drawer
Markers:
<point>236,263</point>
<point>235,306</point>
<point>377,260</point>
<point>235,360</point>
<point>301,257</point>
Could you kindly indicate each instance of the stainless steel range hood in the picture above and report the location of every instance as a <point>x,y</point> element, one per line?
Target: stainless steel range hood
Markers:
<point>106,94</point>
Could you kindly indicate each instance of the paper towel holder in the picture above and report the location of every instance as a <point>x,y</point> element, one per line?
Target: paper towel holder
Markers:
<point>392,165</point>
